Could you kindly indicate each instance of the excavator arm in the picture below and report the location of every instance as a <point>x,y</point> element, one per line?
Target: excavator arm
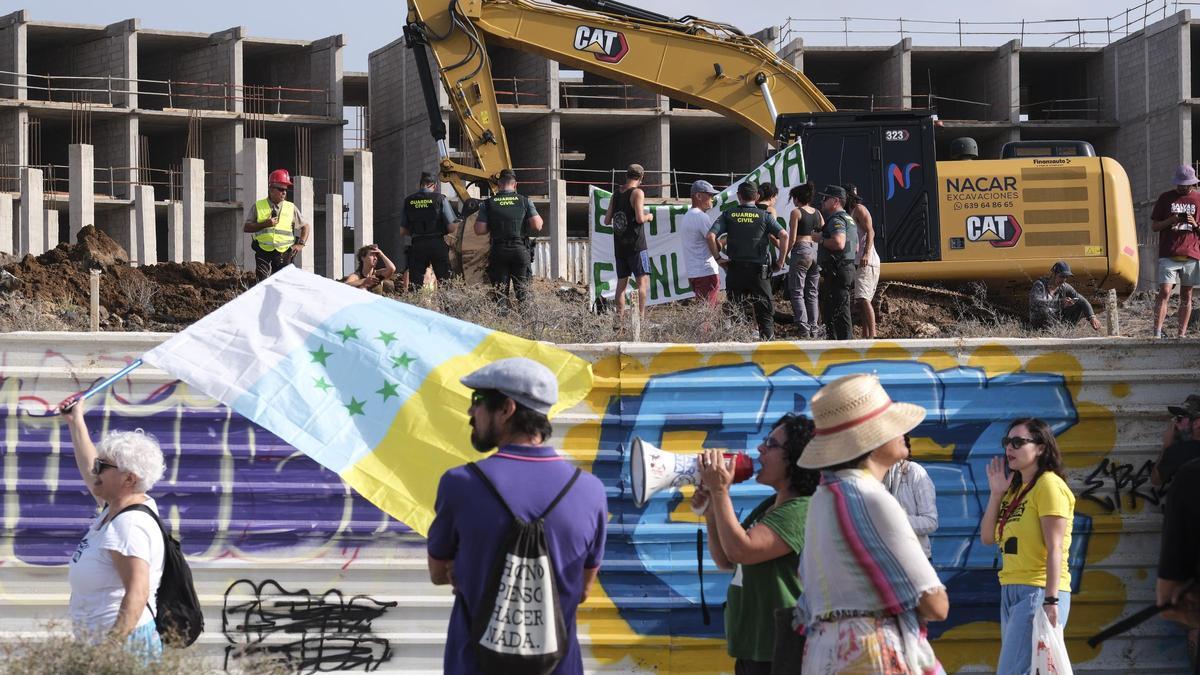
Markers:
<point>707,64</point>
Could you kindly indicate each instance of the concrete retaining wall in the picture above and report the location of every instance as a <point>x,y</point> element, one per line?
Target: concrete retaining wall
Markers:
<point>263,527</point>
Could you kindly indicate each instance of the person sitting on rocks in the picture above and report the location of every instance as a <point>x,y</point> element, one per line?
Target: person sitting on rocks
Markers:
<point>1053,300</point>
<point>372,269</point>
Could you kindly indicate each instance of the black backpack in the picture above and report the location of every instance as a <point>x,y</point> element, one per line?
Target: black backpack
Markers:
<point>519,627</point>
<point>178,618</point>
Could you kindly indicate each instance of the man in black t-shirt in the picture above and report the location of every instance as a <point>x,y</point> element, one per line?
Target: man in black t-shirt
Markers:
<point>627,217</point>
<point>509,217</point>
<point>1181,442</point>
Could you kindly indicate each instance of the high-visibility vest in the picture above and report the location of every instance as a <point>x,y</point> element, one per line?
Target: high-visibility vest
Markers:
<point>280,237</point>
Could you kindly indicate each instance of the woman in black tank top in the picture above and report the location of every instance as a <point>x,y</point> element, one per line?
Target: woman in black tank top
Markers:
<point>804,226</point>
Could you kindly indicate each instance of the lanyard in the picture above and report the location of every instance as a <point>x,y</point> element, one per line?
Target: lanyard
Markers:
<point>1013,507</point>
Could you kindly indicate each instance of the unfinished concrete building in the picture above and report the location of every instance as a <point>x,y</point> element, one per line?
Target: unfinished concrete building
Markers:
<point>1132,99</point>
<point>162,139</point>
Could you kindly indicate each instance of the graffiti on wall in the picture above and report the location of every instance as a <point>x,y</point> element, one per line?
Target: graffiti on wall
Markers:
<point>234,490</point>
<point>310,633</point>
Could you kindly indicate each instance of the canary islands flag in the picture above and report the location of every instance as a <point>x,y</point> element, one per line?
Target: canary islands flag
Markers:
<point>364,385</point>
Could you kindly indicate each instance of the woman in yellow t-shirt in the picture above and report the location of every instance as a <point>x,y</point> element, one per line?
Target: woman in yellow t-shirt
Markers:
<point>1030,516</point>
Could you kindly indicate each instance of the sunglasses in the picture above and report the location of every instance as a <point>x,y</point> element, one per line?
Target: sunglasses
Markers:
<point>280,189</point>
<point>1184,418</point>
<point>99,465</point>
<point>771,443</point>
<point>1016,441</point>
<point>478,397</point>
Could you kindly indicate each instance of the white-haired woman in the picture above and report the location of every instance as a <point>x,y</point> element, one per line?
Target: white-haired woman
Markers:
<point>115,571</point>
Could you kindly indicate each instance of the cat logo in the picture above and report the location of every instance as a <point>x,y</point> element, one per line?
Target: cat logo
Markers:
<point>608,46</point>
<point>999,231</point>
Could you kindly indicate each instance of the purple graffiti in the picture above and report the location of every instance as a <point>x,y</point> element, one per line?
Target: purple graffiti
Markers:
<point>231,486</point>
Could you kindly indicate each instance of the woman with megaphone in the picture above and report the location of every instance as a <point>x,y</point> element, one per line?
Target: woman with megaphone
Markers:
<point>764,549</point>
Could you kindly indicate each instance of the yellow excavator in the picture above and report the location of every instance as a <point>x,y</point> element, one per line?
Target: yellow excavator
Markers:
<point>1002,222</point>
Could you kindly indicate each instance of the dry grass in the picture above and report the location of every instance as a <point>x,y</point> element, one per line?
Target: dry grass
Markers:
<point>63,655</point>
<point>560,314</point>
<point>18,312</point>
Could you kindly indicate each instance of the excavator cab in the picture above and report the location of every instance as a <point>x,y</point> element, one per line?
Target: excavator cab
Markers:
<point>890,157</point>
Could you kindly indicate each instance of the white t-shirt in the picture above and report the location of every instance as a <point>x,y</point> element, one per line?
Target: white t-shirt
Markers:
<point>697,259</point>
<point>96,589</point>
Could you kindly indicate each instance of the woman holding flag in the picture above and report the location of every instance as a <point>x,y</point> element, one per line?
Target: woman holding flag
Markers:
<point>115,571</point>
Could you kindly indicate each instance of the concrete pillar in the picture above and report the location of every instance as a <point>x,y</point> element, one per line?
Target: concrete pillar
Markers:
<point>333,236</point>
<point>175,232</point>
<point>896,79</point>
<point>192,224</point>
<point>793,53</point>
<point>83,188</point>
<point>1004,84</point>
<point>558,229</point>
<point>145,225</point>
<point>305,199</point>
<point>553,85</point>
<point>50,228</point>
<point>123,63</point>
<point>364,205</point>
<point>7,232</point>
<point>32,227</point>
<point>252,184</point>
<point>14,52</point>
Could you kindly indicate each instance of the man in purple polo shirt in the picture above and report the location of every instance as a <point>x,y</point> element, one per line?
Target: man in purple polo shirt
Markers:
<point>509,408</point>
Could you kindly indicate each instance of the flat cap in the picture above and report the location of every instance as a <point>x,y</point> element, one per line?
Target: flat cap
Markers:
<point>523,380</point>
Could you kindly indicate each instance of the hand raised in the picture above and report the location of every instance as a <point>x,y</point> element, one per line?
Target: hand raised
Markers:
<point>997,476</point>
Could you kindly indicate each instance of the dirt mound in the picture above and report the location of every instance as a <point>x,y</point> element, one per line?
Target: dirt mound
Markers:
<point>167,296</point>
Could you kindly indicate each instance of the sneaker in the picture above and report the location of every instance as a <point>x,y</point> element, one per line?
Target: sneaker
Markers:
<point>1158,335</point>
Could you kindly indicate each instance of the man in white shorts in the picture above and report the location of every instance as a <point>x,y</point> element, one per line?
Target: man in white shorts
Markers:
<point>867,260</point>
<point>1174,218</point>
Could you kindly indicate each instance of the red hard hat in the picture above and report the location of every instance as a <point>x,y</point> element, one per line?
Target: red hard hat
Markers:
<point>280,177</point>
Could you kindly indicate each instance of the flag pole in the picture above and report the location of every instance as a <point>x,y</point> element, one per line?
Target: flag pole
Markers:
<point>70,401</point>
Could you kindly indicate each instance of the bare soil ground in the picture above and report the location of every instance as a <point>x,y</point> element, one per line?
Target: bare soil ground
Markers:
<point>50,292</point>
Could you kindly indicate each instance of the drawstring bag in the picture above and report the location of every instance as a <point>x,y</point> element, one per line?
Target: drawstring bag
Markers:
<point>519,627</point>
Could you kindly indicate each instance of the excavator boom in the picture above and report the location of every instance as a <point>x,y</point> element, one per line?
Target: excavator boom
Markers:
<point>707,64</point>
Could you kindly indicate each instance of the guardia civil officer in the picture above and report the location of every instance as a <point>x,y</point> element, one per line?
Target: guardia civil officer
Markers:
<point>510,218</point>
<point>749,231</point>
<point>427,218</point>
<point>839,245</point>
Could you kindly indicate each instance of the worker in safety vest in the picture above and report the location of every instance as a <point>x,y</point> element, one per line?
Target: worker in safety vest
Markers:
<point>427,217</point>
<point>273,222</point>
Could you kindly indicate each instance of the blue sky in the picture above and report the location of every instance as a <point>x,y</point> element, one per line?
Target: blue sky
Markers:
<point>369,25</point>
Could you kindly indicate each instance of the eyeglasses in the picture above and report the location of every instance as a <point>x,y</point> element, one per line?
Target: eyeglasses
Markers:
<point>1016,441</point>
<point>280,189</point>
<point>1184,418</point>
<point>770,443</point>
<point>99,465</point>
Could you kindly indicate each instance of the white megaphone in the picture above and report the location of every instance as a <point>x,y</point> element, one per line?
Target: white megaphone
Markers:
<point>653,470</point>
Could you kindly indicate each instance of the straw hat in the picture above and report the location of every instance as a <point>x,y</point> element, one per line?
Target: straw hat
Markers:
<point>853,416</point>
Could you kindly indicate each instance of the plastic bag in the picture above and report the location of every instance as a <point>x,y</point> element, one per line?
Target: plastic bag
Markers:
<point>1049,649</point>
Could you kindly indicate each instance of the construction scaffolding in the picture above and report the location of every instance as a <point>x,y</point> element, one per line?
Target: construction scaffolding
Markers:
<point>1076,32</point>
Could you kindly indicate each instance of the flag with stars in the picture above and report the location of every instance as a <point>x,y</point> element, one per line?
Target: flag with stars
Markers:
<point>366,386</point>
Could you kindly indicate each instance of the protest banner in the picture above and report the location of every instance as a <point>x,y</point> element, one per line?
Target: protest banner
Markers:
<point>668,276</point>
